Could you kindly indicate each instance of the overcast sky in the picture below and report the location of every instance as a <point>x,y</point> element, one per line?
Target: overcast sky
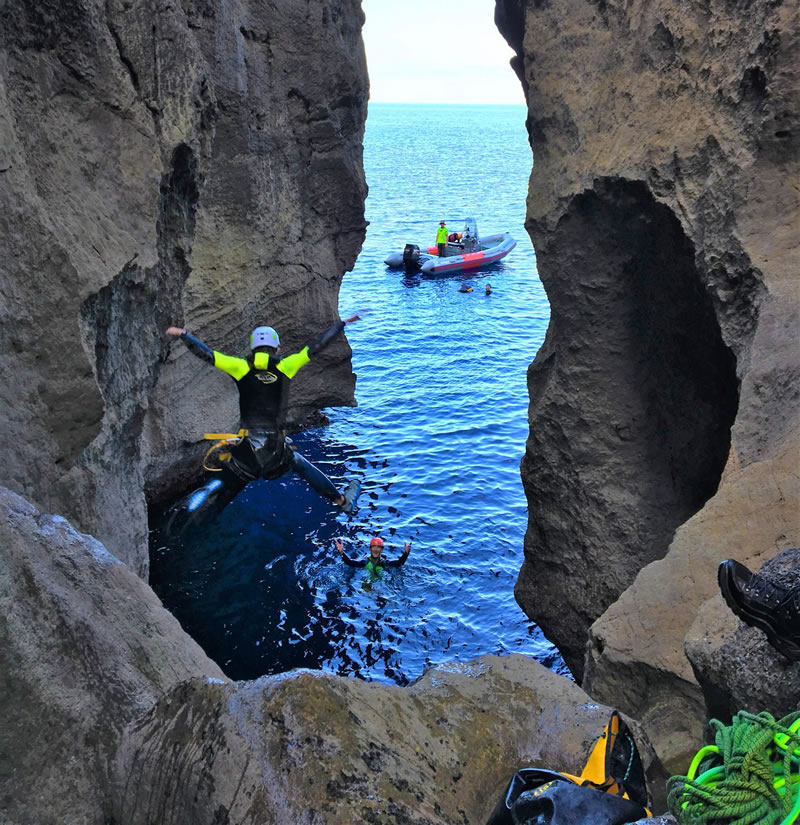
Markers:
<point>435,51</point>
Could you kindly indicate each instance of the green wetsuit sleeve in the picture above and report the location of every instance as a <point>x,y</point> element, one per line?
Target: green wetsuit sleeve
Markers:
<point>292,363</point>
<point>235,367</point>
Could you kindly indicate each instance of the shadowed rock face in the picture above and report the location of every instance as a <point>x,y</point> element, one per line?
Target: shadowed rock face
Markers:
<point>665,139</point>
<point>160,164</point>
<point>85,647</point>
<point>632,399</point>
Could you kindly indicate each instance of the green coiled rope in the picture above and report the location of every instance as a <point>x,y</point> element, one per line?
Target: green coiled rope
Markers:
<point>750,777</point>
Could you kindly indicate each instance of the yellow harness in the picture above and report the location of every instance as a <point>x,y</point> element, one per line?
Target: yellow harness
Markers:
<point>218,451</point>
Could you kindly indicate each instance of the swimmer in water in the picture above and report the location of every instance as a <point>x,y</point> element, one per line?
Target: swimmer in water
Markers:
<point>488,289</point>
<point>376,562</point>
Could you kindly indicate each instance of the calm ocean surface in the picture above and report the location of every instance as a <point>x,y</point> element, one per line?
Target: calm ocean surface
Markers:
<point>436,440</point>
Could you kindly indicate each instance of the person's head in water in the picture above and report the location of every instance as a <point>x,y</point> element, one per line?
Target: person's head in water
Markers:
<point>375,547</point>
<point>465,288</point>
<point>488,289</point>
<point>264,339</point>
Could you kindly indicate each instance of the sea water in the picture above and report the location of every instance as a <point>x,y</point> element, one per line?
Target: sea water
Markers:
<point>436,440</point>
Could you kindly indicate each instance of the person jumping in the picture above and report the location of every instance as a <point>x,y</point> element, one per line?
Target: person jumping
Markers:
<point>263,451</point>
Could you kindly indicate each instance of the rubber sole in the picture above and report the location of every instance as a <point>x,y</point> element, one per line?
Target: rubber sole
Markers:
<point>351,494</point>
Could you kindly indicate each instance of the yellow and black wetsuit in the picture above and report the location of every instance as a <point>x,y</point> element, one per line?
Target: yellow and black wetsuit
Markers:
<point>263,381</point>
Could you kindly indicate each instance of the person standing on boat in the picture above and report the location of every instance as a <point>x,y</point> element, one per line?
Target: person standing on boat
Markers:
<point>263,451</point>
<point>441,239</point>
<point>376,561</point>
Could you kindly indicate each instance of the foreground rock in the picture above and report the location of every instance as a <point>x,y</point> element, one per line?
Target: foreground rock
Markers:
<point>160,163</point>
<point>141,727</point>
<point>637,656</point>
<point>661,208</point>
<point>85,647</point>
<point>314,748</point>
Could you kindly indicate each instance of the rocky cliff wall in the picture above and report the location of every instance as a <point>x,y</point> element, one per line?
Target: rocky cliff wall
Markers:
<point>663,207</point>
<point>164,163</point>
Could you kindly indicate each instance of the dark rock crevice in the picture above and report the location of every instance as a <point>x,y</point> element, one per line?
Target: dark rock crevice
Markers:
<point>124,321</point>
<point>640,349</point>
<point>123,56</point>
<point>179,196</point>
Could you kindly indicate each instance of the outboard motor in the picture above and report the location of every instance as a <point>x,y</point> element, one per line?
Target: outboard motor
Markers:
<point>471,228</point>
<point>411,257</point>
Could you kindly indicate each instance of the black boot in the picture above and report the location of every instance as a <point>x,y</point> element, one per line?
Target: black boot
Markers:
<point>204,504</point>
<point>761,603</point>
<point>350,496</point>
<point>193,510</point>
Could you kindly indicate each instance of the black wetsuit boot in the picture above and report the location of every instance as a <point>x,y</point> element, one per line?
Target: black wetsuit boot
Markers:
<point>205,503</point>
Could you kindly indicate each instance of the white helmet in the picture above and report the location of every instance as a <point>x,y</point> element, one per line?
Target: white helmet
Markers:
<point>264,337</point>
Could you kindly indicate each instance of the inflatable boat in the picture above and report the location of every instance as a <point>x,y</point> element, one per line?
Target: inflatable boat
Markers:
<point>465,251</point>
